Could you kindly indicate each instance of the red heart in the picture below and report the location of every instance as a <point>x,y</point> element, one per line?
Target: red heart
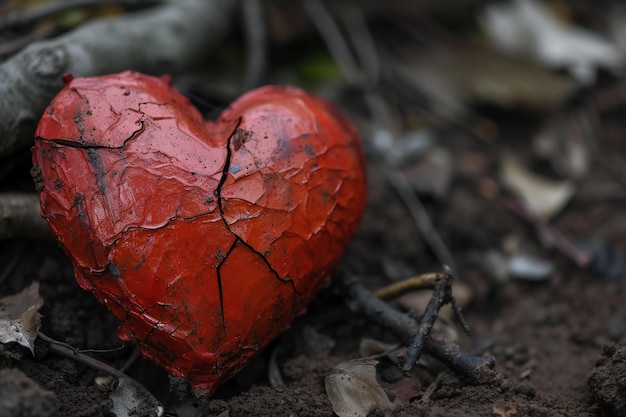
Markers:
<point>204,238</point>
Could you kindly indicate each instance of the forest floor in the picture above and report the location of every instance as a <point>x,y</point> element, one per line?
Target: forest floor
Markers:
<point>545,295</point>
<point>548,336</point>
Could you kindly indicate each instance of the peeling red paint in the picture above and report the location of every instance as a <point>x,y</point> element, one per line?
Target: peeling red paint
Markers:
<point>204,238</point>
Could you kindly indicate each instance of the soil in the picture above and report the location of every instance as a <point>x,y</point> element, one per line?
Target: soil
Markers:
<point>557,342</point>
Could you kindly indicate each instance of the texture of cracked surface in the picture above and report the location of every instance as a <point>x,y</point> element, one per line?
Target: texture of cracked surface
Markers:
<point>204,238</point>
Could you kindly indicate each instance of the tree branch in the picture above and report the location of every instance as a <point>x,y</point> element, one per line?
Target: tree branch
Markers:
<point>164,39</point>
<point>20,218</point>
<point>475,369</point>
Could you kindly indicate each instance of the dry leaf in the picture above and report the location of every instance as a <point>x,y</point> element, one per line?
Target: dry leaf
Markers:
<point>525,28</point>
<point>20,318</point>
<point>130,399</point>
<point>540,196</point>
<point>530,268</point>
<point>353,389</point>
<point>502,267</point>
<point>450,79</point>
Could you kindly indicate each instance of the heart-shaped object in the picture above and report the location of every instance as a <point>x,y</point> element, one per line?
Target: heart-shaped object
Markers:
<point>204,238</point>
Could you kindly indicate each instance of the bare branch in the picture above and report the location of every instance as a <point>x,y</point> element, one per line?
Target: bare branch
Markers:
<point>256,43</point>
<point>19,217</point>
<point>472,368</point>
<point>164,39</point>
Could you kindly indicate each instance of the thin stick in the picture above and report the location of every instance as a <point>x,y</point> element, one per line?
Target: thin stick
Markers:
<point>333,38</point>
<point>131,359</point>
<point>20,217</point>
<point>472,368</point>
<point>419,282</point>
<point>363,42</point>
<point>63,349</point>
<point>256,43</point>
<point>420,216</point>
<point>431,389</point>
<point>442,295</point>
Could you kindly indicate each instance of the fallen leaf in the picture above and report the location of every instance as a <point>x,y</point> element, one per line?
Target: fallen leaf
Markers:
<point>130,399</point>
<point>525,28</point>
<point>353,389</point>
<point>540,196</point>
<point>20,318</point>
<point>502,267</point>
<point>530,268</point>
<point>451,78</point>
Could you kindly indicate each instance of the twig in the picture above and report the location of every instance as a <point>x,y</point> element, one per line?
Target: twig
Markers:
<point>335,42</point>
<point>165,39</point>
<point>442,295</point>
<point>341,52</point>
<point>418,282</point>
<point>25,17</point>
<point>256,43</point>
<point>363,42</point>
<point>431,389</point>
<point>366,51</point>
<point>361,299</point>
<point>70,352</point>
<point>63,349</point>
<point>131,359</point>
<point>422,220</point>
<point>472,368</point>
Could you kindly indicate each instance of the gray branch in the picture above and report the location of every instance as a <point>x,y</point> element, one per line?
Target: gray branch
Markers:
<point>166,39</point>
<point>20,218</point>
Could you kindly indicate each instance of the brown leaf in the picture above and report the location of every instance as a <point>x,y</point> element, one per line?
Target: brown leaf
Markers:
<point>20,318</point>
<point>353,389</point>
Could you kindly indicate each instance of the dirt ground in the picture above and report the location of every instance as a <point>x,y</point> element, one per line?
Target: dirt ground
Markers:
<point>556,341</point>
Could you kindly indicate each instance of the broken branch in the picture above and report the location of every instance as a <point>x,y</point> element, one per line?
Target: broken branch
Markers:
<point>187,30</point>
<point>472,368</point>
<point>20,218</point>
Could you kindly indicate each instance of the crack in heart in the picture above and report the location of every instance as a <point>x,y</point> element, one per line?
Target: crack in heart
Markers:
<point>237,138</point>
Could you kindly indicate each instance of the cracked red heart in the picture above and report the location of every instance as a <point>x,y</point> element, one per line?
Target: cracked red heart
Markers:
<point>204,238</point>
